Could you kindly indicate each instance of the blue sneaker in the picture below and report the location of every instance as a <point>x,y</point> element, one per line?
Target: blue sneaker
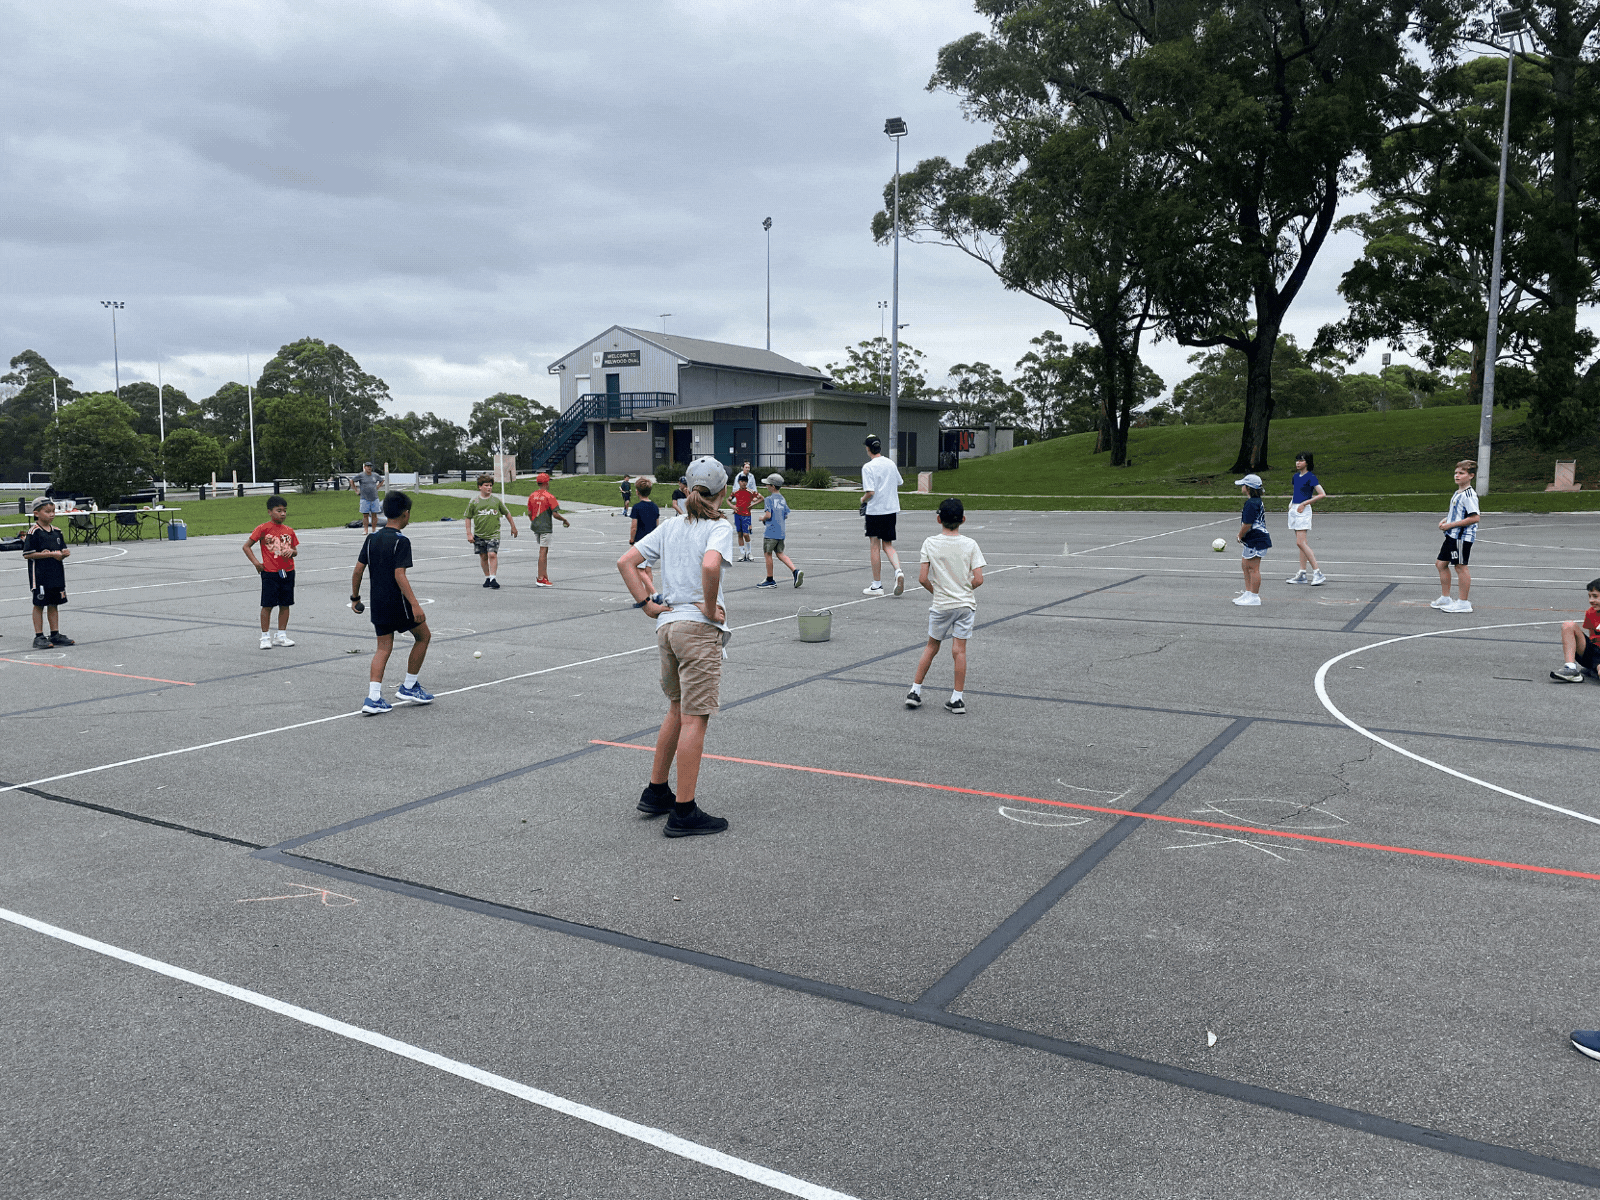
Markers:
<point>414,693</point>
<point>1587,1041</point>
<point>767,583</point>
<point>373,707</point>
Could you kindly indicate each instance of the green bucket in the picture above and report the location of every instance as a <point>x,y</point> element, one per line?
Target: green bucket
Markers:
<point>815,625</point>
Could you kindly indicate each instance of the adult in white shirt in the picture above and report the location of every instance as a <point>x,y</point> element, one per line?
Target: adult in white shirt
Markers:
<point>880,503</point>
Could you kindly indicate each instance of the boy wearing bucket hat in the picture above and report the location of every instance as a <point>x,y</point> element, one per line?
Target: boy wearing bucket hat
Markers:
<point>688,558</point>
<point>774,519</point>
<point>1255,539</point>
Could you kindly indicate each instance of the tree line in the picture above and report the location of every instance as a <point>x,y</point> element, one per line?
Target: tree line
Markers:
<point>1173,170</point>
<point>316,413</point>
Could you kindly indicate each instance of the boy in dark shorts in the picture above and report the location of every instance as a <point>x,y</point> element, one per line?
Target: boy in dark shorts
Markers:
<point>646,515</point>
<point>394,605</point>
<point>1580,642</point>
<point>1460,527</point>
<point>626,488</point>
<point>279,548</point>
<point>483,528</point>
<point>46,552</point>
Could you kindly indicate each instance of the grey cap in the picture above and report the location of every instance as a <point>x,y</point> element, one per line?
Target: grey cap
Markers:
<point>707,474</point>
<point>1250,481</point>
<point>774,480</point>
<point>41,502</point>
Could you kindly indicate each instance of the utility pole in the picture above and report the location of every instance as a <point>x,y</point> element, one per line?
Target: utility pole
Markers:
<point>116,365</point>
<point>1507,22</point>
<point>895,128</point>
<point>767,225</point>
<point>250,413</point>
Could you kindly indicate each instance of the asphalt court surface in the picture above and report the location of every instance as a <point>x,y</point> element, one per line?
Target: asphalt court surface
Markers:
<point>932,957</point>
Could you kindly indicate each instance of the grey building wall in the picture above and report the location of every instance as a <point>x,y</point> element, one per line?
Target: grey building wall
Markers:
<point>628,453</point>
<point>718,385</point>
<point>657,370</point>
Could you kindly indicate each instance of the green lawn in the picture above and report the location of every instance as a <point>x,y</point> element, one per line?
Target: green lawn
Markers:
<point>319,510</point>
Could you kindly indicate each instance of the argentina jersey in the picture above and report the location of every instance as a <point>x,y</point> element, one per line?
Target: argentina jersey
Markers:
<point>1463,505</point>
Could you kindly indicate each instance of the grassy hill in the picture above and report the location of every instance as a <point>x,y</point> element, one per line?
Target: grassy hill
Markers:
<point>1371,454</point>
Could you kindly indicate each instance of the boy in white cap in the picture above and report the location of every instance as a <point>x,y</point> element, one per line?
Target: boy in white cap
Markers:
<point>1253,536</point>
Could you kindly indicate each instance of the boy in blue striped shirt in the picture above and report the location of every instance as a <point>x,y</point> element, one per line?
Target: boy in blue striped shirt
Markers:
<point>1460,528</point>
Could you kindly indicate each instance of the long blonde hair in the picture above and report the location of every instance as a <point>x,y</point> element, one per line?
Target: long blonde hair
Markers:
<point>701,505</point>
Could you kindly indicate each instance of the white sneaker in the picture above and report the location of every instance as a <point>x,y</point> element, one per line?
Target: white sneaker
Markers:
<point>875,590</point>
<point>1441,602</point>
<point>1459,606</point>
<point>281,639</point>
<point>1246,599</point>
<point>266,641</point>
<point>1297,577</point>
<point>899,582</point>
<point>1318,578</point>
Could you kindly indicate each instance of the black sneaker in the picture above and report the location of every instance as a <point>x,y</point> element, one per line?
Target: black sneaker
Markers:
<point>61,639</point>
<point>958,707</point>
<point>767,583</point>
<point>913,699</point>
<point>495,584</point>
<point>799,578</point>
<point>40,642</point>
<point>693,823</point>
<point>487,582</point>
<point>656,804</point>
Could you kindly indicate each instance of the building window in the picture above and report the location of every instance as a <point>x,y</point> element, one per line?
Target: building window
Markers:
<point>629,427</point>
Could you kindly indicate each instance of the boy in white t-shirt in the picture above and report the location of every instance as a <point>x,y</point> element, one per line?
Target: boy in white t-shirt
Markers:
<point>880,505</point>
<point>952,569</point>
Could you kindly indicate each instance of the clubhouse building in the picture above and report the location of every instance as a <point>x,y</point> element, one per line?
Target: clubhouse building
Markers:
<point>633,401</point>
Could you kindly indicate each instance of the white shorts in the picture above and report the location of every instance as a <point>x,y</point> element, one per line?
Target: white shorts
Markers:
<point>543,539</point>
<point>957,623</point>
<point>1299,520</point>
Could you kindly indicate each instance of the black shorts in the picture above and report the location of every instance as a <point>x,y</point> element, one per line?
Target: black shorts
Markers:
<point>276,592</point>
<point>394,620</point>
<point>48,597</point>
<point>1589,656</point>
<point>881,526</point>
<point>1455,551</point>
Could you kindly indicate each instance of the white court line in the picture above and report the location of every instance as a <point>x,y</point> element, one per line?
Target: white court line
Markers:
<point>1322,694</point>
<point>649,1135</point>
<point>245,737</point>
<point>1148,536</point>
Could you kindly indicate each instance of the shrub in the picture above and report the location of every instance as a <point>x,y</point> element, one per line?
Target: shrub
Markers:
<point>817,477</point>
<point>671,472</point>
<point>792,476</point>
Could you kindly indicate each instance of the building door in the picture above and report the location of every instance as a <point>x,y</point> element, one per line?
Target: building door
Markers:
<point>683,446</point>
<point>906,452</point>
<point>613,397</point>
<point>794,448</point>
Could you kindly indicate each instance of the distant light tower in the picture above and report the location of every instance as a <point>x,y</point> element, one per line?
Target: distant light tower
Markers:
<point>664,317</point>
<point>883,308</point>
<point>895,128</point>
<point>767,225</point>
<point>499,467</point>
<point>116,365</point>
<point>1508,21</point>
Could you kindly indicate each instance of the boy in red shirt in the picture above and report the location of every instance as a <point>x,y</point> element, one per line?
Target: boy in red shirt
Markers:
<point>279,547</point>
<point>542,506</point>
<point>742,500</point>
<point>1580,642</point>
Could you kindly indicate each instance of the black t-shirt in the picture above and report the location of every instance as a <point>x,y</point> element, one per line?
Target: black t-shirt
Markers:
<point>647,513</point>
<point>45,572</point>
<point>678,494</point>
<point>385,552</point>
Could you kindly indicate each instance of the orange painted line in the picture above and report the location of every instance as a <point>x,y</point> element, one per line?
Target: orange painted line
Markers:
<point>1123,812</point>
<point>28,662</point>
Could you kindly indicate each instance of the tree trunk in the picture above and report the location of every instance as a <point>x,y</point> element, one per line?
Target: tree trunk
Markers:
<point>1257,402</point>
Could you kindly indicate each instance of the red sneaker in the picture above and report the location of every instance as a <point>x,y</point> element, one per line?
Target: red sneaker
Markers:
<point>542,582</point>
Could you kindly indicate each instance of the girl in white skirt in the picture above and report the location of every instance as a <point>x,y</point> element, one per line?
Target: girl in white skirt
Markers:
<point>1307,491</point>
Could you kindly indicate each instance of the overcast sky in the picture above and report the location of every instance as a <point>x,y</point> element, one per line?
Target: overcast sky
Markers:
<point>459,192</point>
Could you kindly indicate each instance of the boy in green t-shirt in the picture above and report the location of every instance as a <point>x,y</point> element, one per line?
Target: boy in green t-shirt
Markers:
<point>483,529</point>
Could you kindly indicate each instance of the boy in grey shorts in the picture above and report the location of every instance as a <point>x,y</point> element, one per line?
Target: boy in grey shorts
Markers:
<point>952,569</point>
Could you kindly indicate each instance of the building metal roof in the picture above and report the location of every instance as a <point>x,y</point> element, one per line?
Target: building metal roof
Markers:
<point>677,414</point>
<point>699,352</point>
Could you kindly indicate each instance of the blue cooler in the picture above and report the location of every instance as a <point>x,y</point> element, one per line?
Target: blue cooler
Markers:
<point>177,531</point>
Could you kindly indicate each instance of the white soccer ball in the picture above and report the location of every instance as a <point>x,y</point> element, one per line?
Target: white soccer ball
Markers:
<point>477,654</point>
<point>1219,545</point>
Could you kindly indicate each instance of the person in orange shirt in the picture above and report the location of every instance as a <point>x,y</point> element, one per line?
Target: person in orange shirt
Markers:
<point>543,511</point>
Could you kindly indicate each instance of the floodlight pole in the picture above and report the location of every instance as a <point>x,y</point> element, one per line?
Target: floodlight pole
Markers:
<point>1508,22</point>
<point>116,365</point>
<point>895,127</point>
<point>161,408</point>
<point>767,225</point>
<point>250,414</point>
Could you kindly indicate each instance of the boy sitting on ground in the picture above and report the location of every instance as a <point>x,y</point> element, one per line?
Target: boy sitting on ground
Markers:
<point>1579,642</point>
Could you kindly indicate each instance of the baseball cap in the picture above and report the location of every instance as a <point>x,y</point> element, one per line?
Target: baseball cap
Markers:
<point>872,443</point>
<point>41,502</point>
<point>707,474</point>
<point>541,477</point>
<point>1251,481</point>
<point>774,480</point>
<point>951,509</point>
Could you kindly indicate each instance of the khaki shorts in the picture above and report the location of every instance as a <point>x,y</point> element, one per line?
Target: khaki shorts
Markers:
<point>542,539</point>
<point>772,545</point>
<point>691,665</point>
